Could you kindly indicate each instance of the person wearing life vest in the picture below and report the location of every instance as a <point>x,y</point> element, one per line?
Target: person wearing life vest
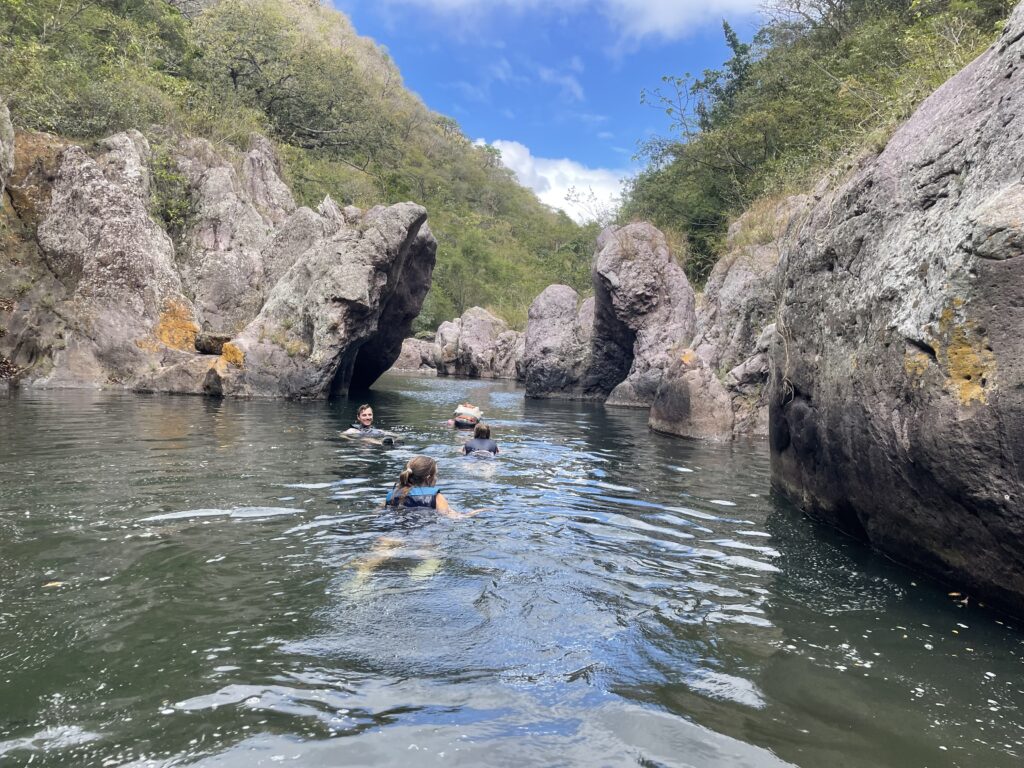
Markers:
<point>363,427</point>
<point>481,441</point>
<point>416,487</point>
<point>466,416</point>
<point>364,420</point>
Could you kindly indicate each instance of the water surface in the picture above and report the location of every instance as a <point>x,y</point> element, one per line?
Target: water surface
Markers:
<point>187,581</point>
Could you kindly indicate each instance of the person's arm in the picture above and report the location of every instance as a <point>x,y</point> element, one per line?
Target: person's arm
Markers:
<point>443,509</point>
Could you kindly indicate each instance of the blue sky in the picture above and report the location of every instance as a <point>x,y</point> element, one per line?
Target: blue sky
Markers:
<point>554,84</point>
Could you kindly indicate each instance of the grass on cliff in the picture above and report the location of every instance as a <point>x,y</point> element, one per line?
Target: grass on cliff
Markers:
<point>822,80</point>
<point>333,101</point>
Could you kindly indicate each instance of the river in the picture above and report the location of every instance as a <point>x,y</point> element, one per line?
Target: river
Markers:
<point>188,581</point>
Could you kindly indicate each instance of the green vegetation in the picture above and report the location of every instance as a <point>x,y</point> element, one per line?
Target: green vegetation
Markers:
<point>334,103</point>
<point>822,79</point>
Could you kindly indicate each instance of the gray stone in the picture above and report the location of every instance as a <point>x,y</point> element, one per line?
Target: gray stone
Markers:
<point>478,345</point>
<point>332,307</point>
<point>897,386</point>
<point>557,344</point>
<point>125,310</point>
<point>261,180</point>
<point>644,307</point>
<point>417,355</point>
<point>691,401</point>
<point>735,322</point>
<point>222,265</point>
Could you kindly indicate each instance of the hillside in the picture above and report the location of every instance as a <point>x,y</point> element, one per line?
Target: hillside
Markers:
<point>821,82</point>
<point>334,103</point>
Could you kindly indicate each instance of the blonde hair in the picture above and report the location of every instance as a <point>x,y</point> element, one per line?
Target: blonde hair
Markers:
<point>421,470</point>
<point>482,431</point>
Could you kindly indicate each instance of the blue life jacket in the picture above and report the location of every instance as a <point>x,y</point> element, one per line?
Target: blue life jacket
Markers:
<point>418,496</point>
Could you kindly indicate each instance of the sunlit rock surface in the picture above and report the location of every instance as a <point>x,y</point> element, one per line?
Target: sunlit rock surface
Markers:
<point>311,302</point>
<point>897,393</point>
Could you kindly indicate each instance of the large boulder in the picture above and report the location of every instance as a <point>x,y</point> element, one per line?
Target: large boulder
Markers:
<point>478,345</point>
<point>348,292</point>
<point>557,344</point>
<point>897,392</point>
<point>727,361</point>
<point>417,355</point>
<point>125,309</point>
<point>643,308</point>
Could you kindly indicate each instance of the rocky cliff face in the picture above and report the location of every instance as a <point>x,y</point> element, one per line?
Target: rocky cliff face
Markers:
<point>311,301</point>
<point>716,387</point>
<point>897,397</point>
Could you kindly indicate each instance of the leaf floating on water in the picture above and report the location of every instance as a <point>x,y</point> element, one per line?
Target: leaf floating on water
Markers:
<point>53,584</point>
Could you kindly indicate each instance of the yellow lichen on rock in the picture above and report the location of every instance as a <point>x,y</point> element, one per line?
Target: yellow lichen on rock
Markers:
<point>965,356</point>
<point>915,363</point>
<point>176,327</point>
<point>688,357</point>
<point>233,355</point>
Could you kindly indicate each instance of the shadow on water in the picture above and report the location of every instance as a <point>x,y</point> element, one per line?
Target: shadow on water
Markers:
<point>190,581</point>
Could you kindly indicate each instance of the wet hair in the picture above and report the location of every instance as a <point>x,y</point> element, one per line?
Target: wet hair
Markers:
<point>481,431</point>
<point>421,470</point>
<point>363,407</point>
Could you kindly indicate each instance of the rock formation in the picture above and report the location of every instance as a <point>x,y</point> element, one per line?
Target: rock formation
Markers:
<point>643,307</point>
<point>125,301</point>
<point>417,355</point>
<point>616,347</point>
<point>478,344</point>
<point>897,393</point>
<point>716,387</point>
<point>306,340</point>
<point>312,301</point>
<point>557,348</point>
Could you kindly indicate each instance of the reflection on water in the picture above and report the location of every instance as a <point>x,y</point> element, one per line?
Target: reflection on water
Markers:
<point>188,581</point>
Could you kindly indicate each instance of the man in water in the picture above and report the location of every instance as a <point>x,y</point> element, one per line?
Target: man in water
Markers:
<point>363,427</point>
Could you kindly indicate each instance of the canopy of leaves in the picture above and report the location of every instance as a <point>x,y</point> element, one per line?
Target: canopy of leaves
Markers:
<point>822,79</point>
<point>333,101</point>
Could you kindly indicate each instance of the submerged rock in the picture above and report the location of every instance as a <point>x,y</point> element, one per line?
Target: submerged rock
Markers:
<point>897,392</point>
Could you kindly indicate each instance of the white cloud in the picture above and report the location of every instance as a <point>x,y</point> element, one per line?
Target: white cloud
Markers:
<point>671,19</point>
<point>552,179</point>
<point>571,88</point>
<point>632,20</point>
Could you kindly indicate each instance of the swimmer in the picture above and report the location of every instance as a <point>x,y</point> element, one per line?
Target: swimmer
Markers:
<point>415,488</point>
<point>466,416</point>
<point>363,427</point>
<point>481,442</point>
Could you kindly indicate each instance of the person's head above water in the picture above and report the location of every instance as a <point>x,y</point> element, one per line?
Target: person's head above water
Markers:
<point>481,432</point>
<point>364,414</point>
<point>421,470</point>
